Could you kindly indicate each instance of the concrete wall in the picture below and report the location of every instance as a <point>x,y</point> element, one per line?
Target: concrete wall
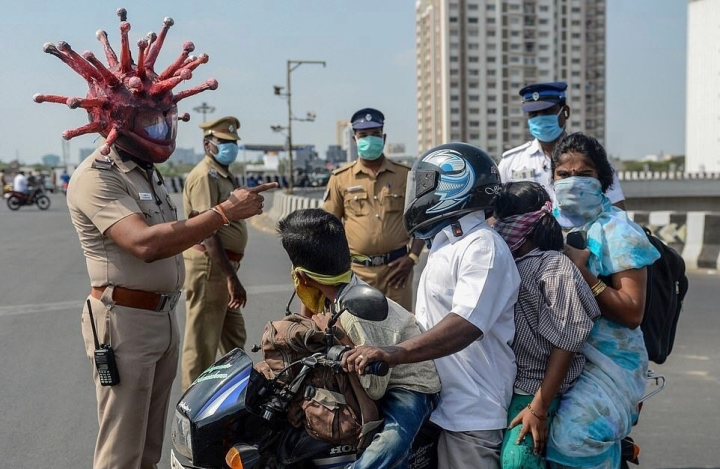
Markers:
<point>694,234</point>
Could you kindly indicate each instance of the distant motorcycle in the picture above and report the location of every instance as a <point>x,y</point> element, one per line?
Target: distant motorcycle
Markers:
<point>37,196</point>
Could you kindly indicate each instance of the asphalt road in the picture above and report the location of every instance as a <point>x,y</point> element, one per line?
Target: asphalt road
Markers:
<point>47,403</point>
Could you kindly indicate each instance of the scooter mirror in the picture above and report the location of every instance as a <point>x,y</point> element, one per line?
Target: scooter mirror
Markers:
<point>364,302</point>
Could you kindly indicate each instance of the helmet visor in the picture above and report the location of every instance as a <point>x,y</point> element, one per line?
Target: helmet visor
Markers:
<point>155,124</point>
<point>419,183</point>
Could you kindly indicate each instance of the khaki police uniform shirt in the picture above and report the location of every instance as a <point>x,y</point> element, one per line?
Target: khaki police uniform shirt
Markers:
<point>105,190</point>
<point>207,185</point>
<point>372,208</point>
<point>528,162</point>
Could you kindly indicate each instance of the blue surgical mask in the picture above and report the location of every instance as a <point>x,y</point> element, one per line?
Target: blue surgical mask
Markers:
<point>579,200</point>
<point>370,147</point>
<point>157,131</point>
<point>545,128</point>
<point>227,153</point>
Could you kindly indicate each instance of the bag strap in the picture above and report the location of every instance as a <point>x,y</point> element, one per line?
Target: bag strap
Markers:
<point>371,420</point>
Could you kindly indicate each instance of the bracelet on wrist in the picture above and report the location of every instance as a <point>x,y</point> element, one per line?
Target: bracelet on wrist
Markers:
<point>538,416</point>
<point>217,209</point>
<point>598,288</point>
<point>414,257</point>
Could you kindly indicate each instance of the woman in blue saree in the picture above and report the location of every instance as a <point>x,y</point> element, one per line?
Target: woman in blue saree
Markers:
<point>601,408</point>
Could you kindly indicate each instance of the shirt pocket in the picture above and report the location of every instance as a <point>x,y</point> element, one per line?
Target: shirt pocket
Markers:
<point>357,203</point>
<point>150,210</point>
<point>391,201</point>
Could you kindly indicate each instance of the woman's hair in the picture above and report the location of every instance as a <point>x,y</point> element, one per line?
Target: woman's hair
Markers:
<point>520,197</point>
<point>591,149</point>
<point>315,239</point>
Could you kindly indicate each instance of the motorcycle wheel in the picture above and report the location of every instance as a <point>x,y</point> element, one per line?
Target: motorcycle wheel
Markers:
<point>13,202</point>
<point>43,202</point>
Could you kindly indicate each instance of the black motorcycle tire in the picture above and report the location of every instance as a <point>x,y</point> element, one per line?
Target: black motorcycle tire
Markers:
<point>14,202</point>
<point>43,202</point>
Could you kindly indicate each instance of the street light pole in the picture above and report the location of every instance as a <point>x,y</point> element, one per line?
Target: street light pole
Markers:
<point>292,65</point>
<point>204,109</point>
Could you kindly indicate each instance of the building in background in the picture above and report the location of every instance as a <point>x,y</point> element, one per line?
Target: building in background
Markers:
<point>702,131</point>
<point>474,56</point>
<point>335,155</point>
<point>185,156</point>
<point>344,134</point>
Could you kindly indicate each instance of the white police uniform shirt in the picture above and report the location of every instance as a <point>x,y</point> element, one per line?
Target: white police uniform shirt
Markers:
<point>528,162</point>
<point>475,277</point>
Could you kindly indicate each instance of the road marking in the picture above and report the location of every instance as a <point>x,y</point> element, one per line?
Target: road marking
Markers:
<point>17,310</point>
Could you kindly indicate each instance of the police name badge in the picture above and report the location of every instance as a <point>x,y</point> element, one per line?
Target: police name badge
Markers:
<point>213,174</point>
<point>145,196</point>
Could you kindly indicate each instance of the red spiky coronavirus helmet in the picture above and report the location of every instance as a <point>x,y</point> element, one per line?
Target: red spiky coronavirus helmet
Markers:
<point>128,103</point>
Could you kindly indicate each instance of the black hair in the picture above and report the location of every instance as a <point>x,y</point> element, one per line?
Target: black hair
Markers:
<point>315,240</point>
<point>520,197</point>
<point>591,149</point>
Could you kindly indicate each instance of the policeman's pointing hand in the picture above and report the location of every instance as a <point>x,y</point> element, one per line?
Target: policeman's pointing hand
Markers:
<point>246,202</point>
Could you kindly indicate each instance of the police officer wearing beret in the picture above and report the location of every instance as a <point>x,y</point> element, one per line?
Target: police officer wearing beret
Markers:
<point>547,112</point>
<point>214,293</point>
<point>369,196</point>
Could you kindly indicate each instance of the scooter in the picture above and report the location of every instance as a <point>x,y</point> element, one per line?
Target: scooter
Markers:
<point>15,200</point>
<point>232,416</point>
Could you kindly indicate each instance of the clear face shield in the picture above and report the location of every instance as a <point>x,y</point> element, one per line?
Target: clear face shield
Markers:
<point>154,124</point>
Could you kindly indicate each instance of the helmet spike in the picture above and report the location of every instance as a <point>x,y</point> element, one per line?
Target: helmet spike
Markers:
<point>109,52</point>
<point>125,57</point>
<point>78,63</point>
<point>86,103</point>
<point>158,43</point>
<point>142,46</point>
<point>185,117</point>
<point>49,48</point>
<point>210,84</point>
<point>122,13</point>
<point>112,136</point>
<point>164,86</point>
<point>111,80</point>
<point>179,62</point>
<point>193,63</point>
<point>50,98</point>
<point>85,129</point>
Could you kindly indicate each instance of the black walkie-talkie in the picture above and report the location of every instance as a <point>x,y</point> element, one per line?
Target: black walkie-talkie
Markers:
<point>104,357</point>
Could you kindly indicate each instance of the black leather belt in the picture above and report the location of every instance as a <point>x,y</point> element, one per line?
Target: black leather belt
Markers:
<point>382,259</point>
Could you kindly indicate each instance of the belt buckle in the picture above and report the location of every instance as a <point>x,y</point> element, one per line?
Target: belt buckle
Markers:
<point>377,260</point>
<point>167,302</point>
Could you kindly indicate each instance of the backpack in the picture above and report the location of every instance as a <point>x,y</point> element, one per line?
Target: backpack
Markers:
<point>332,407</point>
<point>667,286</point>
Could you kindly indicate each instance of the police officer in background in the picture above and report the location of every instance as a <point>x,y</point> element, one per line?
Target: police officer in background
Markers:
<point>369,196</point>
<point>213,290</point>
<point>547,112</point>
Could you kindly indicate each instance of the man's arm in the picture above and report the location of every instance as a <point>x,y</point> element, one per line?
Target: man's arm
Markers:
<point>450,335</point>
<point>404,265</point>
<point>150,243</point>
<point>216,251</point>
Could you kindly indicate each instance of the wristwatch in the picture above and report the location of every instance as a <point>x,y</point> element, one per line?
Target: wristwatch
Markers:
<point>414,257</point>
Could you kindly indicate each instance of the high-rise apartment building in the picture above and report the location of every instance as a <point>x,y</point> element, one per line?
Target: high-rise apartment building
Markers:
<point>474,56</point>
<point>702,132</point>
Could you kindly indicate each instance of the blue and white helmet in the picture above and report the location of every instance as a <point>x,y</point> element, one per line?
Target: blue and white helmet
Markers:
<point>447,182</point>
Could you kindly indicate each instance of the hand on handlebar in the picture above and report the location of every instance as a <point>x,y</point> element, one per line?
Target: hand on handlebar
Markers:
<point>362,357</point>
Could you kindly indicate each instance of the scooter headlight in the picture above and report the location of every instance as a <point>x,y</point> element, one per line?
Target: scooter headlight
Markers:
<point>181,435</point>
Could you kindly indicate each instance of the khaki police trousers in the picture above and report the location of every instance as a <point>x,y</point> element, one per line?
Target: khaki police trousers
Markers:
<point>132,414</point>
<point>210,326</point>
<point>377,277</point>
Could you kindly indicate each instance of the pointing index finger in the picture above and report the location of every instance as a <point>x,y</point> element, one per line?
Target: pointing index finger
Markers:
<point>263,187</point>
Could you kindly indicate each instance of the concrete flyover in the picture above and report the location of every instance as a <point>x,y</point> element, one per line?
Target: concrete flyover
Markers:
<point>693,234</point>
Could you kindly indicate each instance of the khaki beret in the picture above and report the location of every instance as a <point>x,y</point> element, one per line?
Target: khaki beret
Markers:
<point>225,128</point>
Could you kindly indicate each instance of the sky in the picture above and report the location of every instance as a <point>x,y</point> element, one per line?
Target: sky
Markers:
<point>369,49</point>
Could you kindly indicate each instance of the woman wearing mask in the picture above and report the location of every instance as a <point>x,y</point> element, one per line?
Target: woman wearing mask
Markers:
<point>554,315</point>
<point>602,406</point>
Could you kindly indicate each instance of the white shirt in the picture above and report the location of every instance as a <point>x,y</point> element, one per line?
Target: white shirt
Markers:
<point>20,183</point>
<point>475,277</point>
<point>528,162</point>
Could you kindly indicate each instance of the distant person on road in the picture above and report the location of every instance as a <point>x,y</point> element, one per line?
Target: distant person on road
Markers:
<point>368,195</point>
<point>213,290</point>
<point>20,183</point>
<point>548,113</point>
<point>32,181</point>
